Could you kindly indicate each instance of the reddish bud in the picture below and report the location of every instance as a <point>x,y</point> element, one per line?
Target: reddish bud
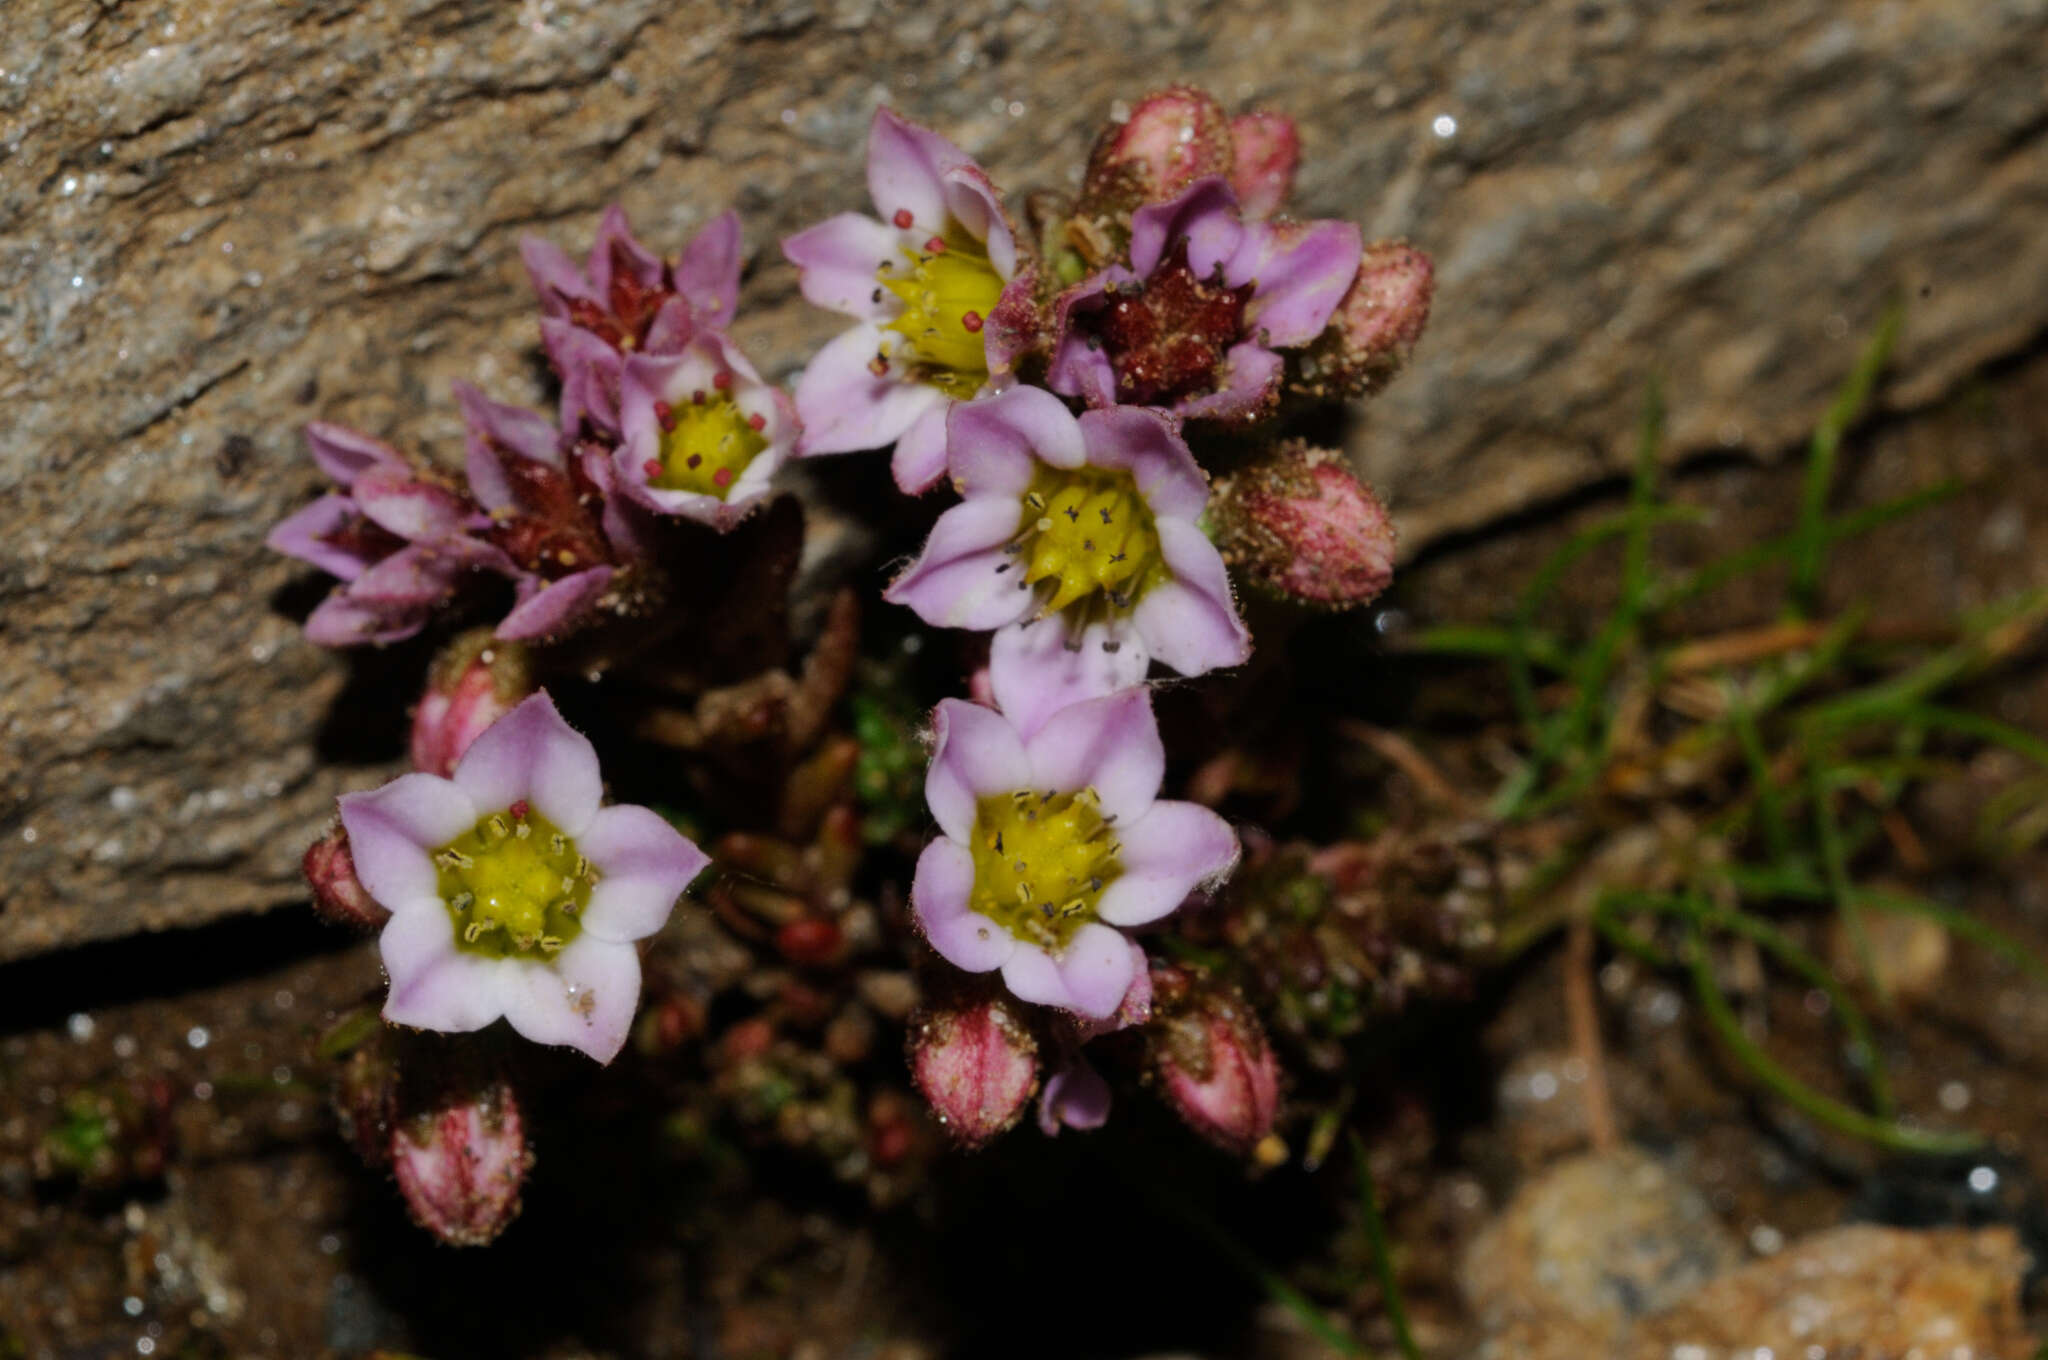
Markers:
<point>1375,327</point>
<point>1265,148</point>
<point>476,680</point>
<point>1300,524</point>
<point>461,1164</point>
<point>811,941</point>
<point>977,1064</point>
<point>1214,1065</point>
<point>1171,139</point>
<point>338,895</point>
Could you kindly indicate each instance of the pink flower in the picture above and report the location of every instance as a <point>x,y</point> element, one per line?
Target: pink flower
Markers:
<point>564,537</point>
<point>475,681</point>
<point>627,301</point>
<point>399,541</point>
<point>1195,324</point>
<point>1052,844</point>
<point>703,433</point>
<point>1076,540</point>
<point>512,892</point>
<point>923,279</point>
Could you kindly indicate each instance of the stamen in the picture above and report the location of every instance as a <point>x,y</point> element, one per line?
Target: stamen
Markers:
<point>903,219</point>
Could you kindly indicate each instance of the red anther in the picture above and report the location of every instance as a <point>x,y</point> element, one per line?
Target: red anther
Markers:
<point>903,219</point>
<point>879,366</point>
<point>936,245</point>
<point>758,421</point>
<point>665,415</point>
<point>696,461</point>
<point>652,467</point>
<point>971,322</point>
<point>722,380</point>
<point>697,397</point>
<point>519,810</point>
<point>722,477</point>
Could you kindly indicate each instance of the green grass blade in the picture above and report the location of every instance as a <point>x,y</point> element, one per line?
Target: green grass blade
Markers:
<point>1823,1109</point>
<point>1488,642</point>
<point>1382,1257</point>
<point>1810,552</point>
<point>1770,809</point>
<point>1746,560</point>
<point>1790,955</point>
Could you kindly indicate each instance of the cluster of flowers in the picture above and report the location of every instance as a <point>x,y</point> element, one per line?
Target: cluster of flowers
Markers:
<point>1167,301</point>
<point>661,418</point>
<point>1055,381</point>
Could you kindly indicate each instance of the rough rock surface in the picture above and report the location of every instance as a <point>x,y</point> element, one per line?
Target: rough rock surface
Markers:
<point>219,218</point>
<point>1875,1293</point>
<point>1617,1256</point>
<point>1593,1244</point>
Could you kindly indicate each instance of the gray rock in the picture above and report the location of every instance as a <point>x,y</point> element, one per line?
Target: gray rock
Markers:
<point>219,218</point>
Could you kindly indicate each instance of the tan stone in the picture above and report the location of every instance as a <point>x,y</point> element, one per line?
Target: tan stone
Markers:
<point>1869,1292</point>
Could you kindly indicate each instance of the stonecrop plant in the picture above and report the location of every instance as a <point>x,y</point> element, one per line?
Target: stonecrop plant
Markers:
<point>1102,405</point>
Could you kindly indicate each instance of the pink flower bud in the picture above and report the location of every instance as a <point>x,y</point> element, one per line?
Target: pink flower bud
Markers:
<point>1213,1062</point>
<point>476,680</point>
<point>1172,138</point>
<point>977,1064</point>
<point>1264,150</point>
<point>461,1164</point>
<point>338,895</point>
<point>1299,523</point>
<point>1375,327</point>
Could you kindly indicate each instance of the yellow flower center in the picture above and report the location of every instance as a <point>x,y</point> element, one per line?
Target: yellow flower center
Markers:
<point>706,443</point>
<point>514,885</point>
<point>947,294</point>
<point>1087,537</point>
<point>1041,862</point>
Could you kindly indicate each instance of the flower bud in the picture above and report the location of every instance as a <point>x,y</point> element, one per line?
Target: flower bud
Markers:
<point>1214,1065</point>
<point>476,680</point>
<point>977,1064</point>
<point>1172,138</point>
<point>1265,148</point>
<point>1301,525</point>
<point>461,1163</point>
<point>1375,327</point>
<point>338,895</point>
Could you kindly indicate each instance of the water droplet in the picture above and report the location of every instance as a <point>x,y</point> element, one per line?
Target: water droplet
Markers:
<point>1444,126</point>
<point>1983,1179</point>
<point>197,1036</point>
<point>80,1026</point>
